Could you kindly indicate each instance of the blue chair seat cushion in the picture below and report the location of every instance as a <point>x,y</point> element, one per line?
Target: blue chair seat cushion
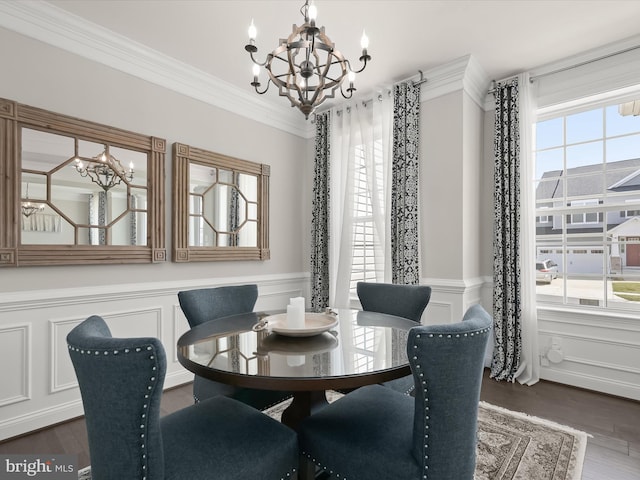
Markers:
<point>378,420</point>
<point>224,439</point>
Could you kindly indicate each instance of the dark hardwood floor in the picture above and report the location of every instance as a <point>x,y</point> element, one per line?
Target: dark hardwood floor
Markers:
<point>613,450</point>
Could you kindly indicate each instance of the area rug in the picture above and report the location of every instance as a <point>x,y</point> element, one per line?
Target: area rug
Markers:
<point>511,446</point>
<point>515,446</point>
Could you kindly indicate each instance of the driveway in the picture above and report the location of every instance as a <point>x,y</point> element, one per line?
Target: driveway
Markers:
<point>578,290</point>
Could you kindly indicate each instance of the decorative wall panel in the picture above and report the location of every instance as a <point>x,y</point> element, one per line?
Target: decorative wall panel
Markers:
<point>15,356</point>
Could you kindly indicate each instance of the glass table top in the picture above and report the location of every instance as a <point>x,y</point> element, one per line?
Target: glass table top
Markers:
<point>359,344</point>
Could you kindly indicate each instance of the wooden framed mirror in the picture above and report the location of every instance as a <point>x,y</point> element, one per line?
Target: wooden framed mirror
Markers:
<point>77,192</point>
<point>220,207</point>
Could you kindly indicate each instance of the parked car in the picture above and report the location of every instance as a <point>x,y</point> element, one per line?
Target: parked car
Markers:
<point>546,271</point>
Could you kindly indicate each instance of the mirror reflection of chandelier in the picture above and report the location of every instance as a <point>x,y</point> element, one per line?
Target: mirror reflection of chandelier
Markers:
<point>105,170</point>
<point>306,67</point>
<point>29,207</point>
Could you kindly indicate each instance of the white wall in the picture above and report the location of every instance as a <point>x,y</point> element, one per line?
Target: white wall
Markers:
<point>39,305</point>
<point>53,79</point>
<point>451,182</point>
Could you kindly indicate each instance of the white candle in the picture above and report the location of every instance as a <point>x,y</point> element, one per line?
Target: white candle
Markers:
<point>295,316</point>
<point>299,301</point>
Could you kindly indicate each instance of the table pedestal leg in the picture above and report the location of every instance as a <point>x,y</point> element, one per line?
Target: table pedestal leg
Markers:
<point>303,404</point>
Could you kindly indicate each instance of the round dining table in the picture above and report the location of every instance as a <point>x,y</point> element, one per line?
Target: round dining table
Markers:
<point>334,350</point>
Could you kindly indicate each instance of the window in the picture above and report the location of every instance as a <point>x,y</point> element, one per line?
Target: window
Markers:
<point>631,213</point>
<point>584,217</point>
<point>360,166</point>
<point>587,190</point>
<point>365,241</point>
<point>544,218</point>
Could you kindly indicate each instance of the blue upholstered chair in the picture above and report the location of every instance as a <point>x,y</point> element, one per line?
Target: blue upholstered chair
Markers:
<point>121,381</point>
<point>204,304</point>
<point>375,432</point>
<point>408,301</point>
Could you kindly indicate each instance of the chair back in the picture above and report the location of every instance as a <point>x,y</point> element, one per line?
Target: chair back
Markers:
<point>447,363</point>
<point>202,305</point>
<point>408,301</point>
<point>121,381</point>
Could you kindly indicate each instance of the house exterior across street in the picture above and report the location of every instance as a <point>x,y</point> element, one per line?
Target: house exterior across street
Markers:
<point>603,232</point>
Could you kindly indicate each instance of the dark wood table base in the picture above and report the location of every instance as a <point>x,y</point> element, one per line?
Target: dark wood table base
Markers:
<point>303,405</point>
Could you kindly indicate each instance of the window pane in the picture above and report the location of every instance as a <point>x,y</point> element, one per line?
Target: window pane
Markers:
<point>550,162</point>
<point>584,126</point>
<point>549,189</point>
<point>585,185</point>
<point>623,148</point>
<point>584,154</point>
<point>549,133</point>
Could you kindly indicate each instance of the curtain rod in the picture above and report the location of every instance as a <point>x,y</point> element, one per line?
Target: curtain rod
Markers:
<point>586,62</point>
<point>568,67</point>
<point>379,96</point>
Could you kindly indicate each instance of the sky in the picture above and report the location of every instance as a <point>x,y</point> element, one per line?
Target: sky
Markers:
<point>592,137</point>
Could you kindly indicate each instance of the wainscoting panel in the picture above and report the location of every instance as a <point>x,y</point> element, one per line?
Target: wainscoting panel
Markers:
<point>132,323</point>
<point>450,299</point>
<point>62,375</point>
<point>15,352</point>
<point>40,387</point>
<point>598,351</point>
<point>591,350</point>
<point>437,313</point>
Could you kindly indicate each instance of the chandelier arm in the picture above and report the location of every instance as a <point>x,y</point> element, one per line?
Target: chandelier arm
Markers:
<point>350,90</point>
<point>265,88</point>
<point>363,59</point>
<point>253,59</point>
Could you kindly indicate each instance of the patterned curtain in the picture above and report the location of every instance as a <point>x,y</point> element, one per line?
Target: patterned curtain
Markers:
<point>97,216</point>
<point>405,259</point>
<point>320,216</point>
<point>507,278</point>
<point>133,221</point>
<point>234,211</point>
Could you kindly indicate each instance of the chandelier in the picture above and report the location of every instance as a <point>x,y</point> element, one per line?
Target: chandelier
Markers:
<point>29,208</point>
<point>306,67</point>
<point>105,170</point>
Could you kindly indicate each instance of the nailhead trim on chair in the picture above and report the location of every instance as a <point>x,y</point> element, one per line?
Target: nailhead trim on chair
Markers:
<point>425,391</point>
<point>152,384</point>
<point>288,475</point>
<point>316,462</point>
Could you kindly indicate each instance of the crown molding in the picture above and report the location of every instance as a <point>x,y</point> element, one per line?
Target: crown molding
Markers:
<point>59,28</point>
<point>464,73</point>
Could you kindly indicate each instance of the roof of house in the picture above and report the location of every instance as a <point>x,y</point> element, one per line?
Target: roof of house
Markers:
<point>587,180</point>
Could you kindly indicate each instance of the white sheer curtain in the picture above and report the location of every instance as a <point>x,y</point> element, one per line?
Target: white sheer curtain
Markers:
<point>529,371</point>
<point>361,141</point>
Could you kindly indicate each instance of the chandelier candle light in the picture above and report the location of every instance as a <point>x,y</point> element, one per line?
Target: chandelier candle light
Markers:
<point>28,207</point>
<point>105,170</point>
<point>306,67</point>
